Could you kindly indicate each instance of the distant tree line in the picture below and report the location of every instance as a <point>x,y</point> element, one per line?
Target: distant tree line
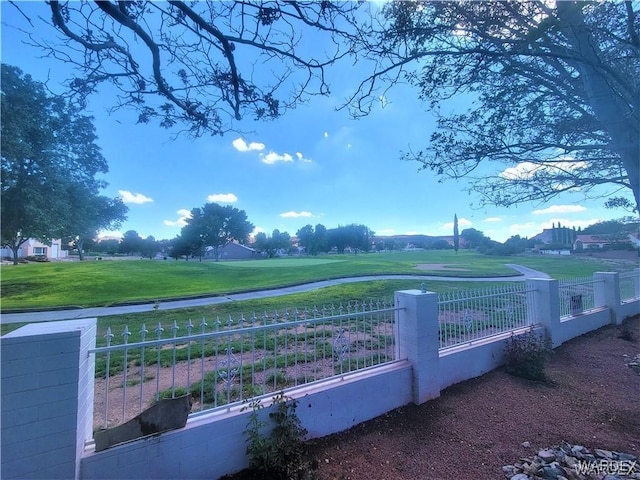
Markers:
<point>212,227</point>
<point>354,238</point>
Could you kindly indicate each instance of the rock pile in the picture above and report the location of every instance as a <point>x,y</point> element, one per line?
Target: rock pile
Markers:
<point>574,462</point>
<point>634,363</point>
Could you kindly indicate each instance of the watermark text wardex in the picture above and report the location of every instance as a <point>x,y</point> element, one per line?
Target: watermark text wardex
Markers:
<point>608,467</point>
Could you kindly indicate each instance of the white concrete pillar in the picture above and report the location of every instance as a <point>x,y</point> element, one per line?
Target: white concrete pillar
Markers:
<point>417,340</point>
<point>47,399</point>
<point>606,292</point>
<point>543,306</point>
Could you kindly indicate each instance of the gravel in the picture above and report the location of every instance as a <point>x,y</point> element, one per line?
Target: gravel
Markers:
<point>475,428</point>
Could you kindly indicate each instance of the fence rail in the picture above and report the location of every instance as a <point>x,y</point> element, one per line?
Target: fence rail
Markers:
<point>471,315</point>
<point>236,359</point>
<point>222,362</point>
<point>577,296</point>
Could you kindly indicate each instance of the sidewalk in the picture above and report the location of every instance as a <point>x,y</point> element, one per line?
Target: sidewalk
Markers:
<point>48,316</point>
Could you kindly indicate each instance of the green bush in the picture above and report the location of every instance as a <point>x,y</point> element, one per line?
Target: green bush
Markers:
<point>526,355</point>
<point>281,454</point>
<point>37,258</point>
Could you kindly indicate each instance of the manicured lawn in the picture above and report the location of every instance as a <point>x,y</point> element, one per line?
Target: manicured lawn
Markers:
<point>104,283</point>
<point>377,290</point>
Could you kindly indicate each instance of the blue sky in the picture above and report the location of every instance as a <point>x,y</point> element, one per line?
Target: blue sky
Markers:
<point>314,165</point>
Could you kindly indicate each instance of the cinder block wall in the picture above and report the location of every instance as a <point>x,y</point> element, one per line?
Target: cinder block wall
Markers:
<point>45,369</point>
<point>214,444</point>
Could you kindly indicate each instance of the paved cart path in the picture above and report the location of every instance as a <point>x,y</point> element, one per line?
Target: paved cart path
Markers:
<point>45,316</point>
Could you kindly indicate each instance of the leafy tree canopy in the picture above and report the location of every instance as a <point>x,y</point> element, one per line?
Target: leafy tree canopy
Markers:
<point>474,238</point>
<point>50,163</point>
<point>272,244</point>
<point>552,90</point>
<point>202,64</point>
<point>614,229</point>
<point>355,237</point>
<point>131,243</point>
<point>313,240</point>
<point>215,226</point>
<point>92,213</point>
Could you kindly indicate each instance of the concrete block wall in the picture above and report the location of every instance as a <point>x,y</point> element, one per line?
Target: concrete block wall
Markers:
<point>461,363</point>
<point>45,370</point>
<point>214,444</point>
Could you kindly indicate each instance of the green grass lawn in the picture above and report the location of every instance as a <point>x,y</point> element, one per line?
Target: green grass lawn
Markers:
<point>104,283</point>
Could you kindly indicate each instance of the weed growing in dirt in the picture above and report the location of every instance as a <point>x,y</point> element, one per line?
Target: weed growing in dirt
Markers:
<point>526,355</point>
<point>625,332</point>
<point>281,454</point>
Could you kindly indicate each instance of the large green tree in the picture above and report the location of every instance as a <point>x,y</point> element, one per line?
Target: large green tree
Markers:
<point>202,64</point>
<point>91,213</point>
<point>50,163</point>
<point>271,244</point>
<point>550,89</point>
<point>215,226</point>
<point>355,237</point>
<point>131,243</point>
<point>313,240</point>
<point>474,238</point>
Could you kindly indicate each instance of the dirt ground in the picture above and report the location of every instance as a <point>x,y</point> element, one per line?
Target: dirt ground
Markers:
<point>591,398</point>
<point>473,429</point>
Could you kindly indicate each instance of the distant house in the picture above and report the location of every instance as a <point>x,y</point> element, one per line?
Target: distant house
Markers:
<point>598,242</point>
<point>590,242</point>
<point>233,251</point>
<point>557,235</point>
<point>35,248</point>
<point>634,238</point>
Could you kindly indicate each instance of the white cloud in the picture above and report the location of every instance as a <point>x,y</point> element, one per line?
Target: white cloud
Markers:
<point>293,214</point>
<point>385,231</point>
<point>325,134</point>
<point>462,223</point>
<point>272,157</point>
<point>139,198</point>
<point>520,171</point>
<point>242,146</point>
<point>183,215</point>
<point>560,209</point>
<point>525,229</point>
<point>222,198</point>
<point>492,219</point>
<point>526,170</point>
<point>302,159</point>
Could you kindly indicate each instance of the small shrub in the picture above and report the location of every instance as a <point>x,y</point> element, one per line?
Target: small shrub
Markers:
<point>37,258</point>
<point>278,379</point>
<point>526,355</point>
<point>280,455</point>
<point>625,332</point>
